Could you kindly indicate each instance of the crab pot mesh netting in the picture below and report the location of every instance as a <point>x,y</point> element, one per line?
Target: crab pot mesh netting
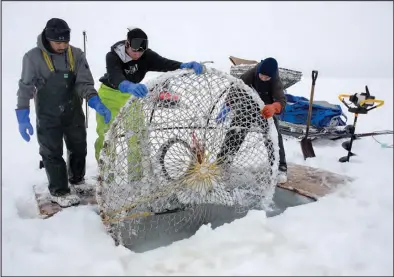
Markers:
<point>287,76</point>
<point>169,166</point>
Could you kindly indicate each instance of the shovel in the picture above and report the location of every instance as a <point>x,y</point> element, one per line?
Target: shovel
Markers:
<point>306,144</point>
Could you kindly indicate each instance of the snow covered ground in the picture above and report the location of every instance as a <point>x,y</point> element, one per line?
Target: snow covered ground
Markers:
<point>349,232</point>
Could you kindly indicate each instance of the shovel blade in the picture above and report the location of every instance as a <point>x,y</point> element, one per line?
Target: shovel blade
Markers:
<point>307,148</point>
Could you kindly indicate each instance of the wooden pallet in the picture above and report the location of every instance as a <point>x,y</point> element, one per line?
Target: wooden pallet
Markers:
<point>312,182</point>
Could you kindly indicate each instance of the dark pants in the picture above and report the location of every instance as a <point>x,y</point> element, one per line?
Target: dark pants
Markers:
<point>282,155</point>
<point>234,139</point>
<point>50,134</point>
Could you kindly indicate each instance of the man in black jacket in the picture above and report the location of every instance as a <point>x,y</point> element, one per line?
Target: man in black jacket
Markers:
<point>127,64</point>
<point>264,78</point>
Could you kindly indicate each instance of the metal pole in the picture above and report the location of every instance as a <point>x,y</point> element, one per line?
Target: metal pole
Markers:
<point>86,102</point>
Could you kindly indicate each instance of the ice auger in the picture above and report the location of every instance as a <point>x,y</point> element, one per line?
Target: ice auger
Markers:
<point>360,103</point>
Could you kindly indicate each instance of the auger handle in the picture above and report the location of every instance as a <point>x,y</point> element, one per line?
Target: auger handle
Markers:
<point>380,102</point>
<point>341,98</point>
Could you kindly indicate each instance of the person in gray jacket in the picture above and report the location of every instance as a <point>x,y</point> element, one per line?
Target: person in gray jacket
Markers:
<point>58,77</point>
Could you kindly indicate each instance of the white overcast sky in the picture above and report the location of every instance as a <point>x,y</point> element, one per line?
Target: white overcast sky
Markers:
<point>340,39</point>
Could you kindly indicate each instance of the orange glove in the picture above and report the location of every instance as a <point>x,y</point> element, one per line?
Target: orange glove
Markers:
<point>271,109</point>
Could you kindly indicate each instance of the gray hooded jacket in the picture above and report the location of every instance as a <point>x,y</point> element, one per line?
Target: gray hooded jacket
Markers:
<point>35,72</point>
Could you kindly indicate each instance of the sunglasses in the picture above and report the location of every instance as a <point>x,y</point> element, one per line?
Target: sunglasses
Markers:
<point>138,44</point>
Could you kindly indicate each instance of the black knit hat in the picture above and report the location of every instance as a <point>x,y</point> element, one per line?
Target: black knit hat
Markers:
<point>268,67</point>
<point>57,30</point>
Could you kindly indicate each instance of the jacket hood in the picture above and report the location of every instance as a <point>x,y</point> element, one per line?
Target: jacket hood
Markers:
<point>120,49</point>
<point>40,43</point>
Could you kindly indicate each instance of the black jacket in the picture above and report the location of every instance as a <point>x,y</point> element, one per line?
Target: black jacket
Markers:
<point>270,91</point>
<point>121,67</point>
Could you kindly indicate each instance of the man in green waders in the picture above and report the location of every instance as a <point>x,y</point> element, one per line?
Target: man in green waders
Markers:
<point>127,63</point>
<point>57,76</point>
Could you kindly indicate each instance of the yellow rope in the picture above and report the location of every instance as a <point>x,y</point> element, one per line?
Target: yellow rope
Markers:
<point>48,61</point>
<point>70,60</point>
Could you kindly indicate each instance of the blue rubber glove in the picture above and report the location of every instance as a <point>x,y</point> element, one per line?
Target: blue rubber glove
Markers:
<point>138,90</point>
<point>24,123</point>
<point>197,67</point>
<point>95,103</point>
<point>222,114</point>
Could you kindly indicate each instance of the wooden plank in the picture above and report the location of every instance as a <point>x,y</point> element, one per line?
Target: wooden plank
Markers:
<point>238,61</point>
<point>312,182</point>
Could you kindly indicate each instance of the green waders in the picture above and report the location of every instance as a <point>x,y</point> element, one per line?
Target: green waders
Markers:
<point>133,124</point>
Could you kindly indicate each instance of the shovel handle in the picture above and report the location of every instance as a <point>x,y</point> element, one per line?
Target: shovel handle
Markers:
<point>314,76</point>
